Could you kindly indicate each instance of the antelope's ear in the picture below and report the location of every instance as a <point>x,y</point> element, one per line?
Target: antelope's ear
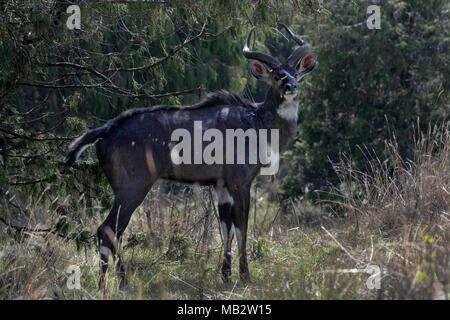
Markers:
<point>305,65</point>
<point>259,70</point>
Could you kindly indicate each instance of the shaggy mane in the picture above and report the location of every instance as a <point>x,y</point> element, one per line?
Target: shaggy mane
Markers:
<point>212,99</point>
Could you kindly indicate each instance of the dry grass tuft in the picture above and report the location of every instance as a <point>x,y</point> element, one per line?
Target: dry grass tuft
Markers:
<point>405,204</point>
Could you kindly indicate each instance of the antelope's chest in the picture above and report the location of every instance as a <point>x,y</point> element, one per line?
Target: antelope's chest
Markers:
<point>288,109</point>
<point>287,112</point>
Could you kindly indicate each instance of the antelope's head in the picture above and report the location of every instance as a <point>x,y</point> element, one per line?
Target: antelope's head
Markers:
<point>283,78</point>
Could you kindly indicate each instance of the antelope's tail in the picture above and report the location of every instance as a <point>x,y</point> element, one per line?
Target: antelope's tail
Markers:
<point>81,143</point>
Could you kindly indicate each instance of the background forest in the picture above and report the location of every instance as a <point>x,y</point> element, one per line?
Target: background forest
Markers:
<point>366,183</point>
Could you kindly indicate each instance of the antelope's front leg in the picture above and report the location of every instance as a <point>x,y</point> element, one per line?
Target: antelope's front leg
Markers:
<point>227,234</point>
<point>239,216</point>
<point>241,238</point>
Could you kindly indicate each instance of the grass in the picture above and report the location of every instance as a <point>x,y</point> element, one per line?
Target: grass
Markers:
<point>394,216</point>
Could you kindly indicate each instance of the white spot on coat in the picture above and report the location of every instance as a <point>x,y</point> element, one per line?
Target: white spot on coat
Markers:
<point>224,113</point>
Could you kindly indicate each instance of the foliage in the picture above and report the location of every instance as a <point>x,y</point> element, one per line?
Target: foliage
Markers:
<point>369,86</point>
<point>55,83</point>
<point>372,145</point>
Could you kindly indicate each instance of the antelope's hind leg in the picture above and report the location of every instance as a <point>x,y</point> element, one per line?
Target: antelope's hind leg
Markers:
<point>111,230</point>
<point>227,228</point>
<point>131,172</point>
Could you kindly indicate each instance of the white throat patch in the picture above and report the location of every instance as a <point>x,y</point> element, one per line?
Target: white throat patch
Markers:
<point>288,109</point>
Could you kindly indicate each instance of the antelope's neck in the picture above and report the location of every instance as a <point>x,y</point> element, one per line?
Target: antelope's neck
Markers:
<point>280,113</point>
<point>276,110</point>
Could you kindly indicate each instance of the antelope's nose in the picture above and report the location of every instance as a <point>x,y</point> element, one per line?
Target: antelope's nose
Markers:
<point>290,87</point>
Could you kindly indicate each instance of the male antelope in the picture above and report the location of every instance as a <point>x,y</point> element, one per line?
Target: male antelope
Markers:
<point>134,150</point>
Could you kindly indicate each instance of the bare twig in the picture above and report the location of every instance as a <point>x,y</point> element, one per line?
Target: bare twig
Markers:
<point>161,60</point>
<point>342,247</point>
